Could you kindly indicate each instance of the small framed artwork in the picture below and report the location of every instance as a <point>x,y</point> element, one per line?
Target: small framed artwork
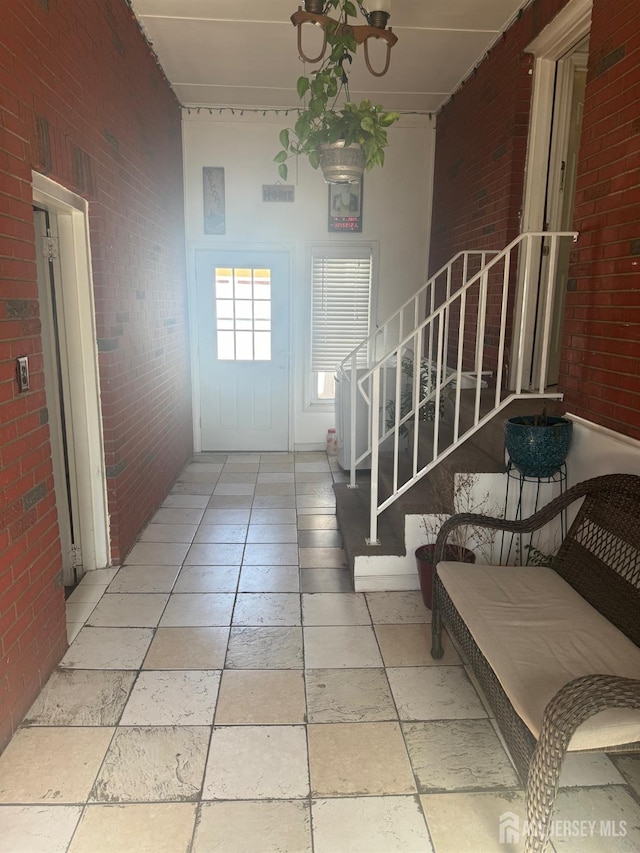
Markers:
<point>345,207</point>
<point>213,192</point>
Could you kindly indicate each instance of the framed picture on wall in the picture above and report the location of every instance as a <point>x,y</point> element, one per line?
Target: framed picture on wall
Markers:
<point>213,192</point>
<point>345,207</point>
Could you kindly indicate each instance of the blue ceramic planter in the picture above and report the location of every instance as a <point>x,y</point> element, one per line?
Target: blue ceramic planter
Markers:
<point>537,450</point>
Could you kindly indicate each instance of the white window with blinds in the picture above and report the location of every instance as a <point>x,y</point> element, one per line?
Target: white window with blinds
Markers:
<point>341,281</point>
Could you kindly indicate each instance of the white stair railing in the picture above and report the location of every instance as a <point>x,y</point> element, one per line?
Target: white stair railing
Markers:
<point>386,338</point>
<point>419,366</point>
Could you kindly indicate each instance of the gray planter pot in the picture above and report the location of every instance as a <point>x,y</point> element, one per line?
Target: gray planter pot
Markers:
<point>340,163</point>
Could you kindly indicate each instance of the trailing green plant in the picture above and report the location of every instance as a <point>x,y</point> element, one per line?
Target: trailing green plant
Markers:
<point>321,121</point>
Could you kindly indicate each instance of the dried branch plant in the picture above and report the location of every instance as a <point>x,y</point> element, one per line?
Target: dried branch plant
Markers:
<point>466,499</point>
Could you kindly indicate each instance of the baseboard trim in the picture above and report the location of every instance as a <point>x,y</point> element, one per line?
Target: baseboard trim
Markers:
<point>386,583</point>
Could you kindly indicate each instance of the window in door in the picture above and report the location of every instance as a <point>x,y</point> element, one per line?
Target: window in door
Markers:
<point>243,314</point>
<point>341,281</point>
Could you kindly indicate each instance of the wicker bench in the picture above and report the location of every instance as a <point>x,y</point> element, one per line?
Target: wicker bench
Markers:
<point>556,650</point>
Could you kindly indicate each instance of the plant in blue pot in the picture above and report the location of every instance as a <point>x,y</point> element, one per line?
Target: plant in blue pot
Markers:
<point>538,444</point>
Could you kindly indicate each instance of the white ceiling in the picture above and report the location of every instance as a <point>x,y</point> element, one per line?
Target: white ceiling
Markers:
<point>243,52</point>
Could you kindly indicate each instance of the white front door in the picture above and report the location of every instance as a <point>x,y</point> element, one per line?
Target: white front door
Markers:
<point>243,349</point>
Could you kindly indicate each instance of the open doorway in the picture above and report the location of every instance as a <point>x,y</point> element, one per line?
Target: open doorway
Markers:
<point>56,371</point>
<point>561,51</point>
<point>71,376</point>
<point>566,125</point>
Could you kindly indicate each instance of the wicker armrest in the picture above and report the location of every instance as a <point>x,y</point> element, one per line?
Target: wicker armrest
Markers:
<point>525,525</point>
<point>570,707</point>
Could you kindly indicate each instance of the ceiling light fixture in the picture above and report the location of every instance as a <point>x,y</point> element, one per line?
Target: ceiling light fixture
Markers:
<point>376,14</point>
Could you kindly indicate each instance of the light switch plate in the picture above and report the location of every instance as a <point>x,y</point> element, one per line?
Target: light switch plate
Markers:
<point>23,373</point>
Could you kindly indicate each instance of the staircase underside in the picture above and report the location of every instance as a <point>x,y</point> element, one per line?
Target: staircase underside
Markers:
<point>481,453</point>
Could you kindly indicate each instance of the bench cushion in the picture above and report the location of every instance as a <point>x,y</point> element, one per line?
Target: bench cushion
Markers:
<point>538,633</point>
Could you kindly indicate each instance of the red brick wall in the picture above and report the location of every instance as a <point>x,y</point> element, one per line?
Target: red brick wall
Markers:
<point>481,143</point>
<point>83,101</point>
<point>601,354</point>
<point>479,185</point>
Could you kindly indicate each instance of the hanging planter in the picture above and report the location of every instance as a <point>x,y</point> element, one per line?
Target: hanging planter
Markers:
<point>349,140</point>
<point>538,445</point>
<point>322,126</point>
<point>341,163</point>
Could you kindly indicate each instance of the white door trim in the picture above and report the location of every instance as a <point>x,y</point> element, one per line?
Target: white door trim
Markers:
<point>568,27</point>
<point>78,311</point>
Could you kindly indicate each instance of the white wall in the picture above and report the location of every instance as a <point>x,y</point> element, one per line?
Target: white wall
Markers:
<point>596,450</point>
<point>396,218</point>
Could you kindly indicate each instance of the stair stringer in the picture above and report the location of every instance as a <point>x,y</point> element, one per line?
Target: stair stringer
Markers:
<point>482,492</point>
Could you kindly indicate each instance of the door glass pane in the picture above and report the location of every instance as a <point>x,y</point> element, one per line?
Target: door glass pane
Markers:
<point>244,346</point>
<point>263,346</point>
<point>243,289</point>
<point>262,310</point>
<point>243,314</point>
<point>226,348</point>
<point>225,309</point>
<point>224,289</point>
<point>244,309</point>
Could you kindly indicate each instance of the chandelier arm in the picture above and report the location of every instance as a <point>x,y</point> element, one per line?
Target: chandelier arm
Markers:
<point>361,35</point>
<point>301,52</point>
<point>364,32</point>
<point>368,64</point>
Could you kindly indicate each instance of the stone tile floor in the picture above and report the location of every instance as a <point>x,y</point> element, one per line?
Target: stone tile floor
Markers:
<point>226,691</point>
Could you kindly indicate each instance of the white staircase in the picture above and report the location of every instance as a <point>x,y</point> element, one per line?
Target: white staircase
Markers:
<point>446,351</point>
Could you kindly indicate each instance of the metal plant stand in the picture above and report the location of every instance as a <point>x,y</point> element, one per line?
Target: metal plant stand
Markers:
<point>513,473</point>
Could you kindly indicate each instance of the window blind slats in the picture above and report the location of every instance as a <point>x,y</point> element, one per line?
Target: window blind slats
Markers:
<point>340,307</point>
